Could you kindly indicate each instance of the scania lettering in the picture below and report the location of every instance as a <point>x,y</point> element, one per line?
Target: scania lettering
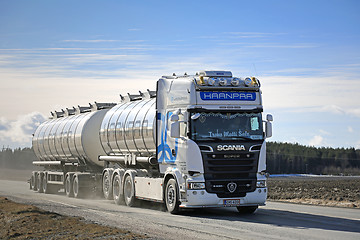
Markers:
<point>197,141</point>
<point>231,147</point>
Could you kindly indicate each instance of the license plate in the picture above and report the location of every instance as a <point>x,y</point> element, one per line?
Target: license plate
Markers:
<point>231,202</point>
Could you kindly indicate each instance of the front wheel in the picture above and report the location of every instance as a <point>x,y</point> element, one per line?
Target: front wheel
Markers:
<point>247,209</point>
<point>172,197</point>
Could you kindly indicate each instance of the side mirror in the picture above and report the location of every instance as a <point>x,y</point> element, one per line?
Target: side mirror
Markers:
<point>175,129</point>
<point>268,129</point>
<point>268,125</point>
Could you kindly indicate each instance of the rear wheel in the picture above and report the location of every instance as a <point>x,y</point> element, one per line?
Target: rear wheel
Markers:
<point>69,186</point>
<point>78,191</point>
<point>32,181</point>
<point>129,191</point>
<point>116,186</point>
<point>247,209</point>
<point>107,186</point>
<point>40,182</point>
<point>172,197</point>
<point>45,184</point>
<point>34,178</point>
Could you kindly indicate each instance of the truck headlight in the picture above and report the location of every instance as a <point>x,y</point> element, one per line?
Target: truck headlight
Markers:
<point>261,184</point>
<point>196,185</point>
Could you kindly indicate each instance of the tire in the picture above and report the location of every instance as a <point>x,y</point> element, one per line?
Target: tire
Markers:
<point>78,191</point>
<point>172,197</point>
<point>40,182</point>
<point>32,182</point>
<point>247,209</point>
<point>69,186</point>
<point>45,185</point>
<point>116,190</point>
<point>107,186</point>
<point>129,191</point>
<point>34,178</point>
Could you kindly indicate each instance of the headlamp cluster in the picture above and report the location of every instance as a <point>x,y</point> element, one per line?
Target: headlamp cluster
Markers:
<point>226,81</point>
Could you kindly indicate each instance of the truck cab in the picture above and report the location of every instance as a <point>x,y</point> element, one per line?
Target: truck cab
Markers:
<point>211,140</point>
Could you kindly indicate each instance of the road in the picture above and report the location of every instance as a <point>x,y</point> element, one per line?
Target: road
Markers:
<point>274,221</point>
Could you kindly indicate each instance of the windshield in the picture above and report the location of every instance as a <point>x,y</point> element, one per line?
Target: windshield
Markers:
<point>226,126</point>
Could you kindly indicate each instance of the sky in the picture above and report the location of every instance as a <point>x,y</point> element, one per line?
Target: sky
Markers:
<point>58,54</point>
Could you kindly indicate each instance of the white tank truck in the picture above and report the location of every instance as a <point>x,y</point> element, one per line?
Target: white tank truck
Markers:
<point>197,141</point>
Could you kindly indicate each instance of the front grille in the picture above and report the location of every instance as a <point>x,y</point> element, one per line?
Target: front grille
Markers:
<point>222,169</point>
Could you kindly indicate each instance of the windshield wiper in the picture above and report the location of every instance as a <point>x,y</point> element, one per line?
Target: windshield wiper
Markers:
<point>242,137</point>
<point>210,138</point>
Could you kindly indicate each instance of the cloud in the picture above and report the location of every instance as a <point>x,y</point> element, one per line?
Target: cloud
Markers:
<point>18,133</point>
<point>312,93</point>
<point>350,129</point>
<point>324,132</point>
<point>317,141</point>
<point>90,41</point>
<point>251,34</point>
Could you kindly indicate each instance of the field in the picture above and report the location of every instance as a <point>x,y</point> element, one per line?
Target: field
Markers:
<point>19,221</point>
<point>328,191</point>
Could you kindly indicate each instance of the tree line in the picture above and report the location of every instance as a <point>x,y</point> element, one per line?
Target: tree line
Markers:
<point>286,158</point>
<point>282,158</point>
<point>19,158</point>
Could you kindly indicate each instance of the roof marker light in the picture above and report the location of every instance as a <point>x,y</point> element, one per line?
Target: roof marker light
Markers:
<point>247,81</point>
<point>254,81</point>
<point>201,80</point>
<point>235,82</point>
<point>211,81</point>
<point>222,82</point>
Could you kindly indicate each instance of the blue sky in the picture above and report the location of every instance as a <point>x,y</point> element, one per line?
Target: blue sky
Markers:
<point>57,54</point>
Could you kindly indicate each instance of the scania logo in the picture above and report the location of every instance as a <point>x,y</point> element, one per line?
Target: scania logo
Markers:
<point>230,147</point>
<point>231,187</point>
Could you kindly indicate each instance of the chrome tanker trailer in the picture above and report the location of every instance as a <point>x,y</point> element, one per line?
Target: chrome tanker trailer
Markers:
<point>197,141</point>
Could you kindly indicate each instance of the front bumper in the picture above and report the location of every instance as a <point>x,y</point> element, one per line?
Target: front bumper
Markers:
<point>203,199</point>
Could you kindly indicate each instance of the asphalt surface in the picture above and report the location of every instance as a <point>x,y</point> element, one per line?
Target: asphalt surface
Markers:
<point>274,221</point>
